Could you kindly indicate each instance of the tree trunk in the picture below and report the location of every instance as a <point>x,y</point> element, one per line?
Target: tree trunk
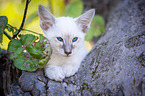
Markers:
<point>115,66</point>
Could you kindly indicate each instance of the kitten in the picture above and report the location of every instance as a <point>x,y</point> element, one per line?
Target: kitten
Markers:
<point>66,36</point>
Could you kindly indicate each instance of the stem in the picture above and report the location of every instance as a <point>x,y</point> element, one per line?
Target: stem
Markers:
<point>31,31</point>
<point>7,35</point>
<point>12,26</point>
<point>24,17</point>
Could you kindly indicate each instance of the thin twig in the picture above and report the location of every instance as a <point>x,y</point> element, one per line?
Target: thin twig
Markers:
<point>24,17</point>
<point>7,35</point>
<point>31,31</point>
<point>12,26</point>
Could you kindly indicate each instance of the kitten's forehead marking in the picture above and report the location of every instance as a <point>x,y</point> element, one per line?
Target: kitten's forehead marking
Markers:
<point>67,38</point>
<point>67,43</point>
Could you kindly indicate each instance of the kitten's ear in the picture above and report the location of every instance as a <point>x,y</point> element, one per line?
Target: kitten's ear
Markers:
<point>45,17</point>
<point>85,20</point>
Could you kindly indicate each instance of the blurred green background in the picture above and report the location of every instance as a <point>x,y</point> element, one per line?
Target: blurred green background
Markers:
<point>14,10</point>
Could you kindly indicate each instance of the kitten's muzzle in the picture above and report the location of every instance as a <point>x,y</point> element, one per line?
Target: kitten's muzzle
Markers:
<point>67,49</point>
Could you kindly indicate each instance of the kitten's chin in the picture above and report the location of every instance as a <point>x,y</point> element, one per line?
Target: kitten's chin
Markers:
<point>64,55</point>
<point>67,55</point>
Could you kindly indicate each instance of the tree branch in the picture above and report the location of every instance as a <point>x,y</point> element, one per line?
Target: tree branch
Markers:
<point>7,35</point>
<point>24,17</point>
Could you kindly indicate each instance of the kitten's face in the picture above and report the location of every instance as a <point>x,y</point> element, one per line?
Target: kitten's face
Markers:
<point>66,35</point>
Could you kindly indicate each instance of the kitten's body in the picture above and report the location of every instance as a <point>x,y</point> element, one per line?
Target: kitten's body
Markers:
<point>66,36</point>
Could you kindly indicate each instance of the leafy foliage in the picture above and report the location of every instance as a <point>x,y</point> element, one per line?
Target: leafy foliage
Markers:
<point>27,53</point>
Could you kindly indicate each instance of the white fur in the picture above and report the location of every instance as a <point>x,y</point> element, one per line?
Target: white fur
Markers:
<point>60,65</point>
<point>64,66</point>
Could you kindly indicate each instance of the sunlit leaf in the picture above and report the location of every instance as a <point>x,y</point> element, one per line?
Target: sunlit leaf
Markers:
<point>99,20</point>
<point>34,51</point>
<point>97,32</point>
<point>14,44</point>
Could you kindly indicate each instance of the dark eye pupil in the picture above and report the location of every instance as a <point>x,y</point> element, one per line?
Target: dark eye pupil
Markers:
<point>59,39</point>
<point>75,39</point>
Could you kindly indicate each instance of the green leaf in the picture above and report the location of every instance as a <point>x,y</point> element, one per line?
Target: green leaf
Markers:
<point>17,53</point>
<point>27,39</point>
<point>74,9</point>
<point>89,35</point>
<point>26,63</point>
<point>97,32</point>
<point>98,25</point>
<point>1,35</point>
<point>3,23</point>
<point>43,61</point>
<point>99,20</point>
<point>18,62</point>
<point>13,45</point>
<point>35,52</point>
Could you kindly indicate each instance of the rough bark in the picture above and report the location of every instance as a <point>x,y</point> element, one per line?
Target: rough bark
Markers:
<point>9,74</point>
<point>115,66</point>
<point>102,7</point>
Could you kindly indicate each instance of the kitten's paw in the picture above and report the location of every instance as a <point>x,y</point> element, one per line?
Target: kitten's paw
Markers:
<point>69,70</point>
<point>54,72</point>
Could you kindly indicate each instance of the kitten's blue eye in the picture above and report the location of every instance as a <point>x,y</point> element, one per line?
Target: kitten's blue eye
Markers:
<point>75,39</point>
<point>59,39</point>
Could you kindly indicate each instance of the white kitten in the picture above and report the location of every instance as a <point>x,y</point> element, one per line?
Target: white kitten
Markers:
<point>66,36</point>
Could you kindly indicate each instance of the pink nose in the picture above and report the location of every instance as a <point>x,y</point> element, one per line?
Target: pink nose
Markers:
<point>67,53</point>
